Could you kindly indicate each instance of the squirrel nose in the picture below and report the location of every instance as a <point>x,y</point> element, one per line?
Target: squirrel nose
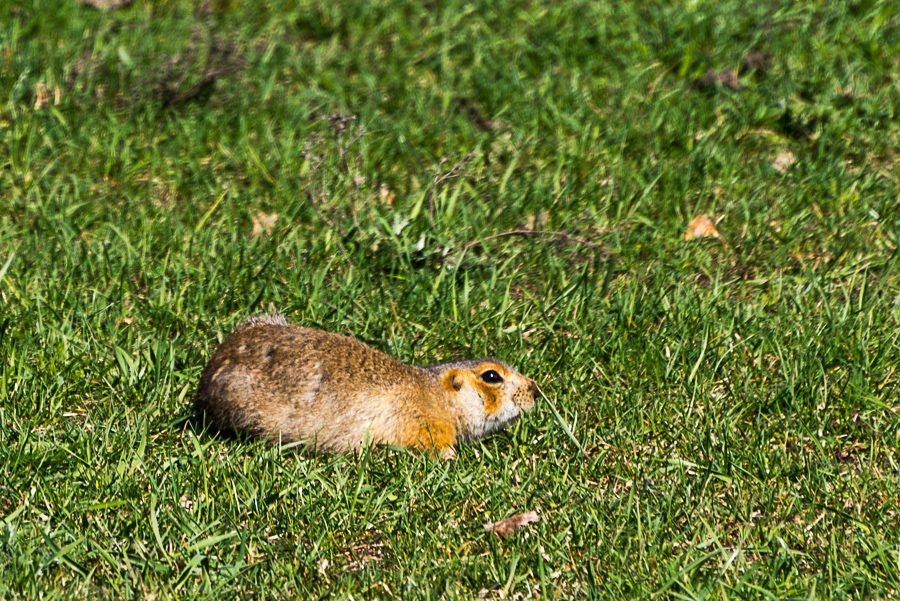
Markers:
<point>535,391</point>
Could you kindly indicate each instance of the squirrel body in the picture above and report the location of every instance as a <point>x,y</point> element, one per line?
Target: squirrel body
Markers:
<point>276,381</point>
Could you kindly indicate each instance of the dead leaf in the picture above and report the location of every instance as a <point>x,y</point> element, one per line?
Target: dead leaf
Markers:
<point>536,222</point>
<point>41,97</point>
<point>701,227</point>
<point>783,161</point>
<point>387,197</point>
<point>511,524</point>
<point>263,224</point>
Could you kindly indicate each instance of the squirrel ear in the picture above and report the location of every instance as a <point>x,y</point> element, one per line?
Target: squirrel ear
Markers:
<point>453,380</point>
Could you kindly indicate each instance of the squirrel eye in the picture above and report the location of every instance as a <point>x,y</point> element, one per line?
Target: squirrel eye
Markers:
<point>491,377</point>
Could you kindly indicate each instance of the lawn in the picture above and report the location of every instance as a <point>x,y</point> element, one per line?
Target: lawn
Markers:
<point>442,180</point>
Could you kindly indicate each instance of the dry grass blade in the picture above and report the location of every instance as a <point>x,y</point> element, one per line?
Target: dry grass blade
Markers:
<point>107,4</point>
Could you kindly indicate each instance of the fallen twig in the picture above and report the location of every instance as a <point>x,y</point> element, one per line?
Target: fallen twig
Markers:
<point>457,170</point>
<point>562,235</point>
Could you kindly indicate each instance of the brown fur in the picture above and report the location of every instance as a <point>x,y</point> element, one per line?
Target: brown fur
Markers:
<point>277,381</point>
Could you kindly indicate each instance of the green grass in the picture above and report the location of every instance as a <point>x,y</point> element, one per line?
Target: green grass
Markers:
<point>737,399</point>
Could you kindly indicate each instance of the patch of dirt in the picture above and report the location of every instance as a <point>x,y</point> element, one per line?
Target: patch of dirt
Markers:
<point>727,78</point>
<point>760,62</point>
<point>469,108</point>
<point>177,81</point>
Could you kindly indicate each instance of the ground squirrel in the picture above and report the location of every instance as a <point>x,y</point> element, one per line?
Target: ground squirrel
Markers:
<point>277,381</point>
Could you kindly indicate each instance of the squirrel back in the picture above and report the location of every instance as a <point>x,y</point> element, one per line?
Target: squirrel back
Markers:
<point>277,381</point>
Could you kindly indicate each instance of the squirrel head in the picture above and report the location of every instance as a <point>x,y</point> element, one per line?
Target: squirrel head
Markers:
<point>488,394</point>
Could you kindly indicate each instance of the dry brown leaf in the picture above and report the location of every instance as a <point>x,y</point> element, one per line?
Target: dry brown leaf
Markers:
<point>41,97</point>
<point>537,222</point>
<point>263,224</point>
<point>783,161</point>
<point>701,227</point>
<point>387,197</point>
<point>511,524</point>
